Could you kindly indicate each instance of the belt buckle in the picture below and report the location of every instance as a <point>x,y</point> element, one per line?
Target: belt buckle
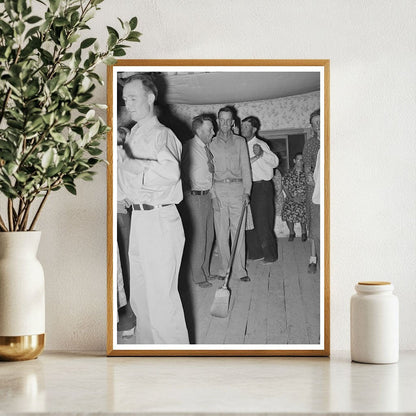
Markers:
<point>227,180</point>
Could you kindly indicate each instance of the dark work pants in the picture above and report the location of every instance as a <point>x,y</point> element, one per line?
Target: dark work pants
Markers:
<point>261,242</point>
<point>123,235</point>
<point>198,221</point>
<point>127,320</point>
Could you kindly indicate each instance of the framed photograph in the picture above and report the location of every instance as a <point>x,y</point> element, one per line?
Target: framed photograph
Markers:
<point>218,208</point>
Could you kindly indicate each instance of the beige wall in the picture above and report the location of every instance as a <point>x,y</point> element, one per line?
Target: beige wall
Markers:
<point>373,195</point>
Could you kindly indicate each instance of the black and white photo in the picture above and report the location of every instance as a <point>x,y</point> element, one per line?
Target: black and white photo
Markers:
<point>219,177</point>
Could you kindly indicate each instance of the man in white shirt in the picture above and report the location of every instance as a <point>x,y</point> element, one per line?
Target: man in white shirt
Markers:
<point>149,181</point>
<point>197,176</point>
<point>261,241</point>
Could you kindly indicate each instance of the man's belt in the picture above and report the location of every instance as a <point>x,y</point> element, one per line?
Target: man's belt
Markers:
<point>146,207</point>
<point>228,180</point>
<point>199,192</point>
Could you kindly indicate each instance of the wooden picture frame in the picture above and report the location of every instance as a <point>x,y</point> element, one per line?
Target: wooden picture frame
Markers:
<point>289,304</point>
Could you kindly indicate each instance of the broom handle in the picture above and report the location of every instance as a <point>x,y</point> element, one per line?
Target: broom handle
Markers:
<point>234,246</point>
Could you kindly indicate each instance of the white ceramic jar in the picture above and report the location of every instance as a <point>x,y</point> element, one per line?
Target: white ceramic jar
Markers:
<point>374,323</point>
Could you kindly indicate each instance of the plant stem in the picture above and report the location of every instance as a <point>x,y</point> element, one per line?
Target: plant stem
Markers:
<point>2,224</point>
<point>10,213</point>
<point>39,209</point>
<point>26,216</point>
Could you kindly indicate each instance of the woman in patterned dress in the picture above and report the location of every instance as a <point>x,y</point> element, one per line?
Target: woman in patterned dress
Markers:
<point>294,207</point>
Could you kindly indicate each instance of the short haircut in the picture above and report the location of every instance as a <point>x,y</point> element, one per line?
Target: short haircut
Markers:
<point>314,114</point>
<point>198,121</point>
<point>147,81</point>
<point>254,121</point>
<point>297,154</point>
<point>227,109</point>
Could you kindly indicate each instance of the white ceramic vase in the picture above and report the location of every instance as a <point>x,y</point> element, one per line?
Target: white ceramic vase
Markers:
<point>22,296</point>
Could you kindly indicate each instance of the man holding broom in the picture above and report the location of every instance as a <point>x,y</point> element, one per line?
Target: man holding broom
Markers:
<point>232,186</point>
<point>149,180</point>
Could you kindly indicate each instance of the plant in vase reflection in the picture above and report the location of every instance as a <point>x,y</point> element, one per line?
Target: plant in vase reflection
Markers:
<point>50,134</point>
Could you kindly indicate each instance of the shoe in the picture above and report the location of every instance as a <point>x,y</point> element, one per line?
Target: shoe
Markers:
<point>312,268</point>
<point>255,259</point>
<point>205,284</point>
<point>212,277</point>
<point>245,279</point>
<point>291,237</point>
<point>304,237</point>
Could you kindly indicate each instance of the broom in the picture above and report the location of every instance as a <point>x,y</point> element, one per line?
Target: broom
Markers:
<point>219,307</point>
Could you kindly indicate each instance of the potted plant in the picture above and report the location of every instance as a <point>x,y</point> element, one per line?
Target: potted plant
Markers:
<point>50,136</point>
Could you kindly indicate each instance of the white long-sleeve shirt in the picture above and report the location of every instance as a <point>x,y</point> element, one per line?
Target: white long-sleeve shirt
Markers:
<point>152,175</point>
<point>262,168</point>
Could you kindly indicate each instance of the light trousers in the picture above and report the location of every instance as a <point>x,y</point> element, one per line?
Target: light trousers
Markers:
<point>226,219</point>
<point>155,250</point>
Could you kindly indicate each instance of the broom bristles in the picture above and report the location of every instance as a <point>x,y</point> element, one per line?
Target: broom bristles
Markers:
<point>219,307</point>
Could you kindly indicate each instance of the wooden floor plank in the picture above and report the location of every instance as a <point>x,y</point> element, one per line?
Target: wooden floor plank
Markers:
<point>256,332</point>
<point>277,332</point>
<point>241,307</point>
<point>310,296</point>
<point>297,333</point>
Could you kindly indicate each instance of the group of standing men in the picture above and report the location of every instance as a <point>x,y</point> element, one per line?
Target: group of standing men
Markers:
<point>216,177</point>
<point>219,175</point>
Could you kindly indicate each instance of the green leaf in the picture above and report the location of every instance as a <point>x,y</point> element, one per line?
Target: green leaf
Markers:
<point>47,158</point>
<point>74,18</point>
<point>133,23</point>
<point>133,38</point>
<point>11,168</point>
<point>73,38</point>
<point>7,30</point>
<point>110,61</point>
<point>94,129</point>
<point>21,5</point>
<point>58,137</point>
<point>112,31</point>
<point>33,19</point>
<point>87,42</point>
<point>61,21</point>
<point>112,41</point>
<point>21,177</point>
<point>20,27</point>
<point>70,188</point>
<point>119,52</point>
<point>32,31</point>
<point>54,4</point>
<point>86,176</point>
<point>94,151</point>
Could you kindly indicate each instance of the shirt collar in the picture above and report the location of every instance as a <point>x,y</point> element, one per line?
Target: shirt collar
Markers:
<point>198,141</point>
<point>149,122</point>
<point>221,136</point>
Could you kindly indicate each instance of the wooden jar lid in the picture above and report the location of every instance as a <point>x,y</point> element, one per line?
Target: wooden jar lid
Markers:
<point>374,283</point>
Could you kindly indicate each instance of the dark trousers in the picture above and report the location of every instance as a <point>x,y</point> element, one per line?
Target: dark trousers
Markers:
<point>127,320</point>
<point>198,219</point>
<point>261,241</point>
<point>123,235</point>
